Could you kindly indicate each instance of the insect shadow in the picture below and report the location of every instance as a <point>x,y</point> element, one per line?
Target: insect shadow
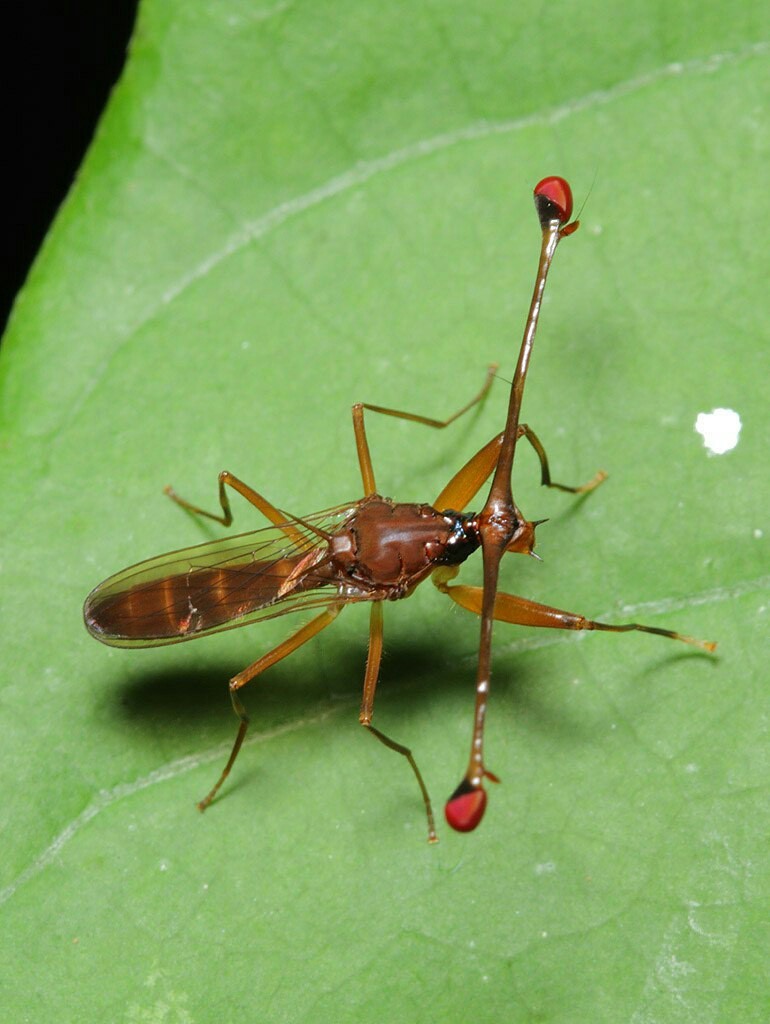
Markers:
<point>183,698</point>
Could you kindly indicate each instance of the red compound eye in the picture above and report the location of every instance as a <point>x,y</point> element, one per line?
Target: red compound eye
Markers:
<point>557,191</point>
<point>465,809</point>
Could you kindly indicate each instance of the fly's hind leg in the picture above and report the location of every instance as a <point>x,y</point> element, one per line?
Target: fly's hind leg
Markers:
<point>288,646</point>
<point>367,709</point>
<point>268,510</point>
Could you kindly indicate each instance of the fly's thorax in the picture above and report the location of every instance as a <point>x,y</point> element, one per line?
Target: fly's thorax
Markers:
<point>388,545</point>
<point>464,539</point>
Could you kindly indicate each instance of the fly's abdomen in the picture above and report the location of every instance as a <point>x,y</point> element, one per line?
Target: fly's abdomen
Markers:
<point>173,608</point>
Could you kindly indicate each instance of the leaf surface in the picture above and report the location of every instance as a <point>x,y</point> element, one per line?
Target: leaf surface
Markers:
<point>288,208</point>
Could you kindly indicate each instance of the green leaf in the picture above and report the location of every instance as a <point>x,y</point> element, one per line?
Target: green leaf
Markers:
<point>288,208</point>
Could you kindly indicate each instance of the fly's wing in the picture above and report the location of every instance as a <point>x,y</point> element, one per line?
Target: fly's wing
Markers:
<point>215,586</point>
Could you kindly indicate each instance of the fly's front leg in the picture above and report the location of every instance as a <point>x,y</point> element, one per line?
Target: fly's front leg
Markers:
<point>468,481</point>
<point>522,612</point>
<point>367,709</point>
<point>288,646</point>
<point>362,445</point>
<point>268,510</point>
<point>545,472</point>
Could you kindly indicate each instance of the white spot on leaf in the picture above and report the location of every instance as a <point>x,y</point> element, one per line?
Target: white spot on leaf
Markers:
<point>719,429</point>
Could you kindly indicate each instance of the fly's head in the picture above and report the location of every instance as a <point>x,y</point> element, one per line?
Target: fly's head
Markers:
<point>523,540</point>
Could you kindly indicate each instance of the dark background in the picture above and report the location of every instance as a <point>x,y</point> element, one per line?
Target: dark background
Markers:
<point>58,63</point>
